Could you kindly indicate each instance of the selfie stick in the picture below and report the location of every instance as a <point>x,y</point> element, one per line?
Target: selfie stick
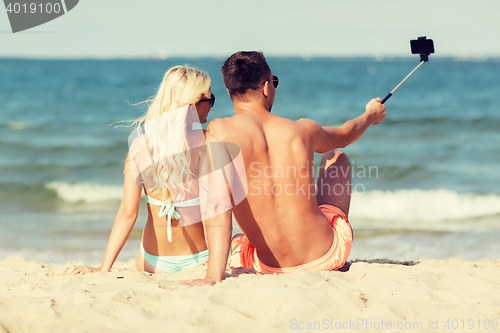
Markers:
<point>401,83</point>
<point>424,50</point>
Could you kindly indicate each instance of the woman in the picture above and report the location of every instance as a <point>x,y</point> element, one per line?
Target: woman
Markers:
<point>165,159</point>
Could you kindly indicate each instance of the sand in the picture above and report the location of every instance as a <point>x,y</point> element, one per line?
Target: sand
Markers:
<point>432,296</point>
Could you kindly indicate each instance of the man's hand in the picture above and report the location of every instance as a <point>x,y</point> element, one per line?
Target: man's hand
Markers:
<point>375,111</point>
<point>199,282</point>
<point>74,270</point>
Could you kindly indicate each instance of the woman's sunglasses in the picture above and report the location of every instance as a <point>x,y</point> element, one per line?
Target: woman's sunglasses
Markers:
<point>211,99</point>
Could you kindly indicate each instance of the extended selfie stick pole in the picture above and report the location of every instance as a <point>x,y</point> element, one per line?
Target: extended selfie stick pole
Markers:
<point>422,46</point>
<point>402,82</point>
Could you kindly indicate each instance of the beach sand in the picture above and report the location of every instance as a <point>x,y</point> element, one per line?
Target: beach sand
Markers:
<point>372,296</point>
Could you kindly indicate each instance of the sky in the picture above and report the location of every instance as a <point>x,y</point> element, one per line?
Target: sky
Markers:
<point>166,28</point>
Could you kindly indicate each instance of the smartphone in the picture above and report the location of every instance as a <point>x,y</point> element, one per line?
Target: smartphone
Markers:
<point>422,45</point>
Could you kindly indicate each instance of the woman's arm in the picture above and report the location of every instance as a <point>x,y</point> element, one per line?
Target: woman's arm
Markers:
<point>124,223</point>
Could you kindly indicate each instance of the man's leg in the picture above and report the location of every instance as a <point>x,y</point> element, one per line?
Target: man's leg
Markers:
<point>334,180</point>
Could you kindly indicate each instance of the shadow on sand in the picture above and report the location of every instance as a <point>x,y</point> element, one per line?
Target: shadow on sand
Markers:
<point>235,272</point>
<point>348,264</point>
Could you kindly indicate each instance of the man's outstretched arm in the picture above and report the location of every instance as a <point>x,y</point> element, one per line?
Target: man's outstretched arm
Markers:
<point>327,138</point>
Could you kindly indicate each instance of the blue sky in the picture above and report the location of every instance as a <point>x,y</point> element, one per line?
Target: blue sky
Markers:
<point>152,28</point>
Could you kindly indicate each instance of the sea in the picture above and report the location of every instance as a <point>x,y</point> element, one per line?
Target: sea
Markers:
<point>426,181</point>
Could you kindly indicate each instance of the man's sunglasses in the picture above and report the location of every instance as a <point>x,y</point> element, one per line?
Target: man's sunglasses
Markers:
<point>276,81</point>
<point>211,99</point>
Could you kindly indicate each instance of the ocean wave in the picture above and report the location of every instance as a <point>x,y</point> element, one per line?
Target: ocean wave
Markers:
<point>394,207</point>
<point>484,121</point>
<point>85,192</point>
<point>421,205</point>
<point>62,146</point>
<point>16,125</point>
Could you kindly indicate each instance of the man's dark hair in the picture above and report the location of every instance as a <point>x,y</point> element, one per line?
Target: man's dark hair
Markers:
<point>244,70</point>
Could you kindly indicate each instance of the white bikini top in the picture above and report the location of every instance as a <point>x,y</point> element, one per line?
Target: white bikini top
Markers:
<point>168,209</point>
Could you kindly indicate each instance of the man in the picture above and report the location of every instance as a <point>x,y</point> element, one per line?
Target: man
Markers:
<point>288,224</point>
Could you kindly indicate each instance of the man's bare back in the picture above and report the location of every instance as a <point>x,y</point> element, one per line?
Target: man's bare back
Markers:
<point>280,215</point>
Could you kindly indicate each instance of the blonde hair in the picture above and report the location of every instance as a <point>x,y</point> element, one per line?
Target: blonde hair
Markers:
<point>165,132</point>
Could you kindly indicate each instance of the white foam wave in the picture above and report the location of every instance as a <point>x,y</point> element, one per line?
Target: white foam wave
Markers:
<point>419,205</point>
<point>400,206</point>
<point>85,192</point>
<point>18,125</point>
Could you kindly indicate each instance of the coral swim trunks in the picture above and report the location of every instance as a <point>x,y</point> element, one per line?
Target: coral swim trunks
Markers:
<point>245,254</point>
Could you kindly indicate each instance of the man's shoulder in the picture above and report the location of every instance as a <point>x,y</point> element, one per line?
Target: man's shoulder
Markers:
<point>219,128</point>
<point>307,126</point>
<point>306,122</point>
<point>301,123</point>
<point>220,122</point>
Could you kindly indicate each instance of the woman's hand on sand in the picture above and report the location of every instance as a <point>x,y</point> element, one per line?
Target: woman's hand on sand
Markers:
<point>74,270</point>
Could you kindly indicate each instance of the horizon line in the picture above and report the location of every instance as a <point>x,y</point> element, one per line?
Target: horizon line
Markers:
<point>305,58</point>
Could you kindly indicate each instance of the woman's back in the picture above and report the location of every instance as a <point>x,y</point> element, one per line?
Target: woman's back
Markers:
<point>164,161</point>
<point>173,226</point>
